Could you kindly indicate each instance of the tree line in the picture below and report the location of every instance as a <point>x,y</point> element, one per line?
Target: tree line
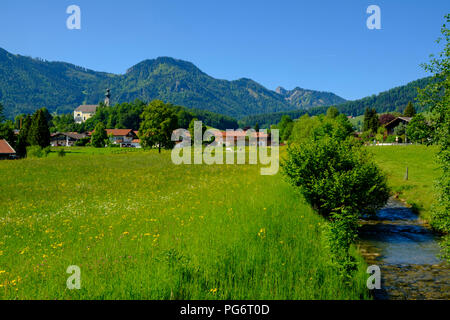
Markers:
<point>128,116</point>
<point>34,131</point>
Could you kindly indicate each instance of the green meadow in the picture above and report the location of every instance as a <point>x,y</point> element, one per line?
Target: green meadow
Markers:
<point>423,170</point>
<point>140,227</point>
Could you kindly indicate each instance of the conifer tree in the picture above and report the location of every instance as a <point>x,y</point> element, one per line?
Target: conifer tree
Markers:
<point>39,134</point>
<point>410,111</point>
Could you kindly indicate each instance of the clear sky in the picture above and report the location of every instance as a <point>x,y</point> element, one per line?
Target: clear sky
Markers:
<point>315,44</point>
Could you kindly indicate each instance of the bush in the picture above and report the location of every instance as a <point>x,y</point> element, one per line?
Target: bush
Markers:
<point>46,151</point>
<point>341,183</point>
<point>319,126</point>
<point>336,174</point>
<point>418,130</point>
<point>340,234</point>
<point>61,152</point>
<point>35,152</point>
<point>390,139</point>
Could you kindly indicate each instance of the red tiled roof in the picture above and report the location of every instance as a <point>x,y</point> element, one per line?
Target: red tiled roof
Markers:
<point>115,132</point>
<point>5,148</point>
<point>237,134</point>
<point>118,132</point>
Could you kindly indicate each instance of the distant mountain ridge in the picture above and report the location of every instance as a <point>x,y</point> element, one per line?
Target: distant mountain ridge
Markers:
<point>391,100</point>
<point>27,84</point>
<point>304,97</point>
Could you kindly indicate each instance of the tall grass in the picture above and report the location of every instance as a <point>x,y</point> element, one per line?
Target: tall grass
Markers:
<point>140,227</point>
<point>423,171</point>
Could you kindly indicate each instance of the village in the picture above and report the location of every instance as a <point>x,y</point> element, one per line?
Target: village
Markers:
<point>129,138</point>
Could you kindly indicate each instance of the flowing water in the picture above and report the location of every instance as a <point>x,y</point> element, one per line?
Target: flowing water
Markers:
<point>406,250</point>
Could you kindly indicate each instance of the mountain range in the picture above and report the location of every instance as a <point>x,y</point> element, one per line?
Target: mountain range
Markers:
<point>392,100</point>
<point>27,84</point>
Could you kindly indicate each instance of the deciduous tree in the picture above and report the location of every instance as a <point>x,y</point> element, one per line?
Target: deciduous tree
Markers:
<point>99,136</point>
<point>159,120</point>
<point>437,96</point>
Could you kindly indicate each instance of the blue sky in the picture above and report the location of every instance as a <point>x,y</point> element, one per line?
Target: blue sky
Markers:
<point>315,44</point>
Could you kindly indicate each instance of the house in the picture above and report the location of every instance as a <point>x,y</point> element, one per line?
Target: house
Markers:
<point>84,112</point>
<point>390,127</point>
<point>126,138</point>
<point>65,139</point>
<point>231,138</point>
<point>6,151</point>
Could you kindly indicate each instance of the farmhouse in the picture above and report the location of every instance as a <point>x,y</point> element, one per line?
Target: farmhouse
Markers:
<point>394,123</point>
<point>6,151</point>
<point>126,138</point>
<point>84,112</point>
<point>65,139</point>
<point>232,137</point>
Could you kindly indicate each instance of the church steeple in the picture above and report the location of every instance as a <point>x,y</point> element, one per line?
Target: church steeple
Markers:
<point>107,97</point>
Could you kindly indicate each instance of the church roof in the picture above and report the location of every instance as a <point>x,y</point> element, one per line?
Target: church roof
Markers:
<point>87,108</point>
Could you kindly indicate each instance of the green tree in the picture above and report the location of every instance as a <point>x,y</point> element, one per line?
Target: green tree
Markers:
<point>23,139</point>
<point>159,120</point>
<point>332,112</point>
<point>287,131</point>
<point>303,128</point>
<point>418,129</point>
<point>184,118</point>
<point>191,128</point>
<point>436,95</point>
<point>334,174</point>
<point>2,117</point>
<point>340,182</point>
<point>371,121</point>
<point>99,136</point>
<point>400,130</point>
<point>256,127</point>
<point>283,124</point>
<point>63,123</point>
<point>39,133</point>
<point>410,111</point>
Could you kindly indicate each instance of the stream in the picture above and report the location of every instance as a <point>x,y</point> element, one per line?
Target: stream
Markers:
<point>406,250</point>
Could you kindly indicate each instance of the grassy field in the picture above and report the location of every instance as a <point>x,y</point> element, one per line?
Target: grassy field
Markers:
<point>140,227</point>
<point>423,170</point>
